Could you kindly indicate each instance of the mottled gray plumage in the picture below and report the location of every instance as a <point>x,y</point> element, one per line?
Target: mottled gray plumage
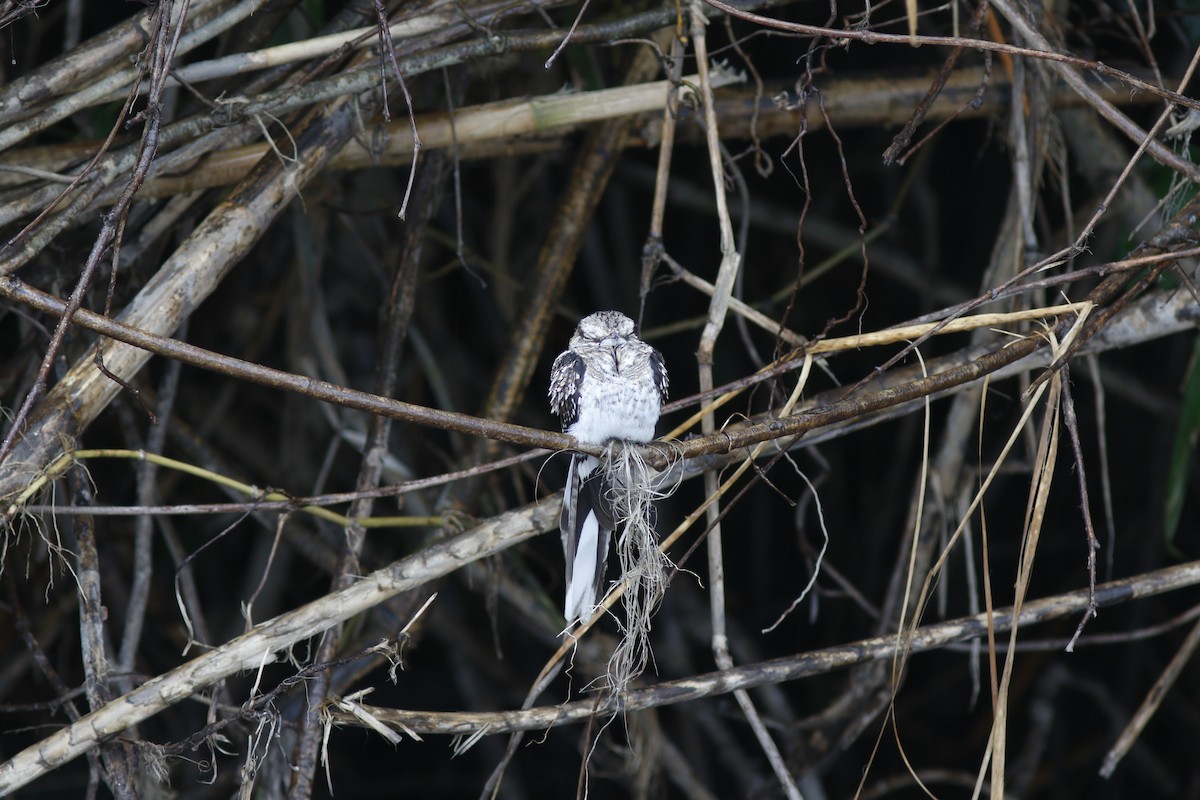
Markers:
<point>607,385</point>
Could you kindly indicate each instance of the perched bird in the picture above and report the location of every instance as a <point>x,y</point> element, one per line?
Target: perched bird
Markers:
<point>607,385</point>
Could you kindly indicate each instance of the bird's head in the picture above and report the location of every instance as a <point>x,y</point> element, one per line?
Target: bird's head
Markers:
<point>604,328</point>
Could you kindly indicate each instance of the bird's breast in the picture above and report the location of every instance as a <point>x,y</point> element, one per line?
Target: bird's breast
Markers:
<point>619,405</point>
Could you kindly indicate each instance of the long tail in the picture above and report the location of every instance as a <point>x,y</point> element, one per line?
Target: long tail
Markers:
<point>587,524</point>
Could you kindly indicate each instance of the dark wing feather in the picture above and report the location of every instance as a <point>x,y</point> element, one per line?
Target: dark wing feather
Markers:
<point>596,496</point>
<point>659,370</point>
<point>566,378</point>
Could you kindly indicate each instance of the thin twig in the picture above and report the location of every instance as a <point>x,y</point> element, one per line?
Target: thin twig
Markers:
<point>1150,704</point>
<point>873,37</point>
<point>718,306</point>
<point>1085,506</point>
<point>389,48</point>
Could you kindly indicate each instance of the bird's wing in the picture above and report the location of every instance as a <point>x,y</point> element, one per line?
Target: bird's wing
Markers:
<point>566,378</point>
<point>659,370</point>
